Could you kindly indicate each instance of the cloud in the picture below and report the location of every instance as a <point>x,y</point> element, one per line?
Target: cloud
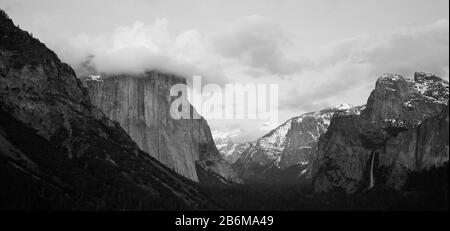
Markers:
<point>257,42</point>
<point>404,51</point>
<point>9,5</point>
<point>255,50</point>
<point>252,46</point>
<point>345,71</point>
<point>316,89</point>
<point>138,48</point>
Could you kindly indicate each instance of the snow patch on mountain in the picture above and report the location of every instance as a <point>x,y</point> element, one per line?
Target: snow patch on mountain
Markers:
<point>225,135</point>
<point>291,144</point>
<point>431,86</point>
<point>274,141</point>
<point>94,78</point>
<point>225,143</point>
<point>343,107</point>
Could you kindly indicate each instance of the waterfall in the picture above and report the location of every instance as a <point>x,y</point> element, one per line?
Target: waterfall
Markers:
<point>372,182</point>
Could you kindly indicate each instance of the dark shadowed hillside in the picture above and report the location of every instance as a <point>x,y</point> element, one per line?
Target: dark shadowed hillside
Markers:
<point>60,152</point>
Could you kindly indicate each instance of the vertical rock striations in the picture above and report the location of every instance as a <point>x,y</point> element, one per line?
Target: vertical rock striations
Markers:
<point>399,128</point>
<point>141,105</point>
<point>416,149</point>
<point>54,140</point>
<point>404,103</point>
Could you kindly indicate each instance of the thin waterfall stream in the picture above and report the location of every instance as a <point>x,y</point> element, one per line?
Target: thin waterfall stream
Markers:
<point>372,181</point>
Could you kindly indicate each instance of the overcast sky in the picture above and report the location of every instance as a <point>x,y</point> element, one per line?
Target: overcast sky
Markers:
<point>321,52</point>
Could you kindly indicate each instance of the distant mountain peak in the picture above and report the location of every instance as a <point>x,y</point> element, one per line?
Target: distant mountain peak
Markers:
<point>227,146</point>
<point>343,106</point>
<point>225,134</point>
<point>290,145</point>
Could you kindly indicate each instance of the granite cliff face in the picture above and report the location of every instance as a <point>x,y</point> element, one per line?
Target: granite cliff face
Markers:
<point>141,105</point>
<point>404,103</point>
<point>289,150</point>
<point>344,152</point>
<point>382,143</point>
<point>415,150</point>
<point>60,151</point>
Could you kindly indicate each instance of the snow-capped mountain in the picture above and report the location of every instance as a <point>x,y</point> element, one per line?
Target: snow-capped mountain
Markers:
<point>291,145</point>
<point>405,103</point>
<point>291,150</point>
<point>228,148</point>
<point>403,129</point>
<point>431,87</point>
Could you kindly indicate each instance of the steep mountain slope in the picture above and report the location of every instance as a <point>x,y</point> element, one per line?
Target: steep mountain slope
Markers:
<point>290,148</point>
<point>141,105</point>
<point>229,150</point>
<point>414,150</point>
<point>58,149</point>
<point>385,135</point>
<point>404,103</point>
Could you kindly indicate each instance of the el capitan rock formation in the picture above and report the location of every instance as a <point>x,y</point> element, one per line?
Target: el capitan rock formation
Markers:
<point>141,105</point>
<point>109,143</point>
<point>59,151</point>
